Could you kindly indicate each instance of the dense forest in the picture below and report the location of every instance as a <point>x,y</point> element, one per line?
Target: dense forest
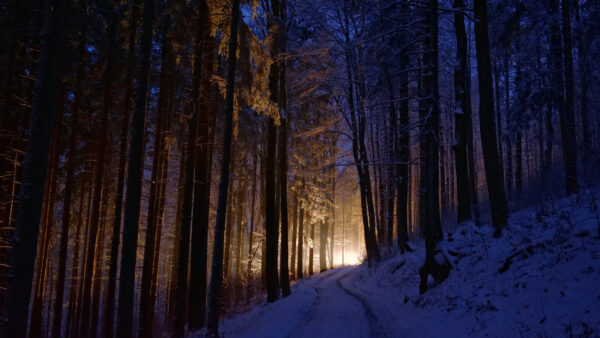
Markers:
<point>165,164</point>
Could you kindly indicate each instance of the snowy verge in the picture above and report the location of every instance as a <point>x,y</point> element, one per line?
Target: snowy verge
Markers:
<point>540,279</point>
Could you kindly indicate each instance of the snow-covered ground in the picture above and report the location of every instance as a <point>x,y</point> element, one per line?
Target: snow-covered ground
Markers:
<point>540,279</point>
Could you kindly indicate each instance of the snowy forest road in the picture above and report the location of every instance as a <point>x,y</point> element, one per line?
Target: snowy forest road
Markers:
<point>323,306</point>
<point>338,312</point>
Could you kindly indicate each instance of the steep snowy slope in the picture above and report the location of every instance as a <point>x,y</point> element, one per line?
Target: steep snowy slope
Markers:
<point>541,279</point>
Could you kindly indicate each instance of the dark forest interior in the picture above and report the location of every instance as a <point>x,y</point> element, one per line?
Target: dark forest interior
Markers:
<point>168,164</point>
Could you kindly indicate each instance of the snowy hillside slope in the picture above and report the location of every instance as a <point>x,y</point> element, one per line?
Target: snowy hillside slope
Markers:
<point>540,279</point>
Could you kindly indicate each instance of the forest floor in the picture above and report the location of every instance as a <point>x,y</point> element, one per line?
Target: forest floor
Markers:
<point>540,279</point>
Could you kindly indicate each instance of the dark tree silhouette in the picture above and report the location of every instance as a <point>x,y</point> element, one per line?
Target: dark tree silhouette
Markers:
<point>134,179</point>
<point>493,173</point>
<point>29,207</point>
<point>216,277</point>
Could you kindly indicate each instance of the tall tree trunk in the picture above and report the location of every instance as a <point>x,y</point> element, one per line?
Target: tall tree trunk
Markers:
<point>146,316</point>
<point>283,171</point>
<point>251,253</point>
<point>323,245</point>
<point>216,278</point>
<point>176,233</point>
<point>357,125</point>
<point>495,181</point>
<point>76,319</point>
<point>68,194</point>
<point>108,77</point>
<point>134,178</point>
<point>29,207</point>
<point>499,129</point>
<point>272,207</point>
<point>239,231</point>
<point>272,225</point>
<point>17,14</point>
<point>462,112</point>
<point>109,305</point>
<point>229,225</point>
<point>567,121</point>
<point>200,222</point>
<point>364,160</point>
<point>294,235</point>
<point>311,251</point>
<point>403,155</point>
<point>332,222</point>
<point>429,210</point>
<point>509,154</point>
<point>391,152</point>
<point>160,220</point>
<point>99,256</point>
<point>300,266</point>
<point>35,326</point>
<point>180,292</point>
<point>75,265</point>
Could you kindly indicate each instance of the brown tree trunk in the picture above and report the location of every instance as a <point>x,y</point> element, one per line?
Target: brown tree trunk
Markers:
<point>509,151</point>
<point>403,156</point>
<point>34,169</point>
<point>134,178</point>
<point>200,222</point>
<point>294,235</point>
<point>251,253</point>
<point>109,305</point>
<point>176,233</point>
<point>35,326</point>
<point>357,126</point>
<point>300,266</point>
<point>567,121</point>
<point>75,275</point>
<point>495,181</point>
<point>272,226</point>
<point>108,77</point>
<point>311,251</point>
<point>323,227</point>
<point>239,231</point>
<point>146,316</point>
<point>462,113</point>
<point>283,171</point>
<point>81,262</point>
<point>216,278</point>
<point>99,257</point>
<point>68,194</point>
<point>429,210</point>
<point>229,225</point>
<point>160,220</point>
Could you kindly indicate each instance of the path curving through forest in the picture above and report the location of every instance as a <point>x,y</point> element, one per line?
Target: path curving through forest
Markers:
<point>322,306</point>
<point>336,312</point>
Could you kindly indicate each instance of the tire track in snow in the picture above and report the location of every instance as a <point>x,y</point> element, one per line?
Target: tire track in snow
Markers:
<point>375,326</point>
<point>309,315</point>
